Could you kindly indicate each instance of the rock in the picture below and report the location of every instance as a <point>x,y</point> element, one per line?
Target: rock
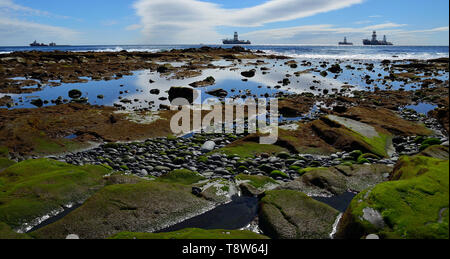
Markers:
<point>155,91</point>
<point>413,205</point>
<point>78,183</point>
<point>348,134</point>
<point>75,94</point>
<point>208,146</point>
<point>146,205</point>
<point>207,82</point>
<point>338,180</point>
<point>287,214</point>
<point>372,237</point>
<point>222,171</point>
<point>436,151</point>
<point>249,74</point>
<point>197,191</point>
<point>445,144</point>
<point>37,102</point>
<point>218,93</point>
<point>182,92</point>
<point>72,236</point>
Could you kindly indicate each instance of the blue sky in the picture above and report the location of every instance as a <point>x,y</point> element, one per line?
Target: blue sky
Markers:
<point>405,22</point>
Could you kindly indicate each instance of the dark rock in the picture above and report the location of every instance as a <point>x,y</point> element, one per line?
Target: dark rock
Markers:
<point>75,94</point>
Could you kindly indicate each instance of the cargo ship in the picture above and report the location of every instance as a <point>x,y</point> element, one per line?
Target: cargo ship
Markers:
<point>345,42</point>
<point>374,41</point>
<point>236,40</point>
<point>36,44</point>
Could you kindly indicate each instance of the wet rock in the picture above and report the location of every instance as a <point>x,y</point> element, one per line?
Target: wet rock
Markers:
<point>182,92</point>
<point>249,74</point>
<point>155,91</point>
<point>207,82</point>
<point>37,102</point>
<point>218,93</point>
<point>75,94</point>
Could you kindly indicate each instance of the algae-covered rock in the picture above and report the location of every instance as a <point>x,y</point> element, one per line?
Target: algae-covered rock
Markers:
<point>287,214</point>
<point>192,234</point>
<point>35,188</point>
<point>142,207</point>
<point>348,134</point>
<point>413,206</point>
<point>255,185</point>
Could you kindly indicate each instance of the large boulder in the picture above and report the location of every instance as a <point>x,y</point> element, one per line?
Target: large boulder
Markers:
<point>415,205</point>
<point>141,207</point>
<point>287,214</point>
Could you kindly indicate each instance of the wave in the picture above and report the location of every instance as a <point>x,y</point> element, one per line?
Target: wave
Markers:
<point>119,49</point>
<point>361,56</point>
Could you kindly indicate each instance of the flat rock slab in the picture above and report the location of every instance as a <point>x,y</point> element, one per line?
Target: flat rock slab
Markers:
<point>359,127</point>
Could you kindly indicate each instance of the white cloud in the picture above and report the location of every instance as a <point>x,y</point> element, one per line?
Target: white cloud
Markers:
<point>169,21</point>
<point>326,33</point>
<point>13,31</point>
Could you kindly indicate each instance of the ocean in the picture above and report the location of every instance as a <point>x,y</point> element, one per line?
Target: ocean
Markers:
<point>295,51</point>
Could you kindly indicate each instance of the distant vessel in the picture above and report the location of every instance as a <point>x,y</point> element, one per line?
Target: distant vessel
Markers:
<point>345,42</point>
<point>36,44</point>
<point>236,40</point>
<point>374,40</point>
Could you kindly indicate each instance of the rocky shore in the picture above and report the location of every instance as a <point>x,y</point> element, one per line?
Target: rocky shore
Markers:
<point>371,140</point>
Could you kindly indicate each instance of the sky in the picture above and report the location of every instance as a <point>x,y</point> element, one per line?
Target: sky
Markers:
<point>129,22</point>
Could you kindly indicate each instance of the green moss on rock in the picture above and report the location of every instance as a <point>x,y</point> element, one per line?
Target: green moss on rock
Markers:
<point>142,207</point>
<point>257,181</point>
<point>413,206</point>
<point>34,188</point>
<point>181,176</point>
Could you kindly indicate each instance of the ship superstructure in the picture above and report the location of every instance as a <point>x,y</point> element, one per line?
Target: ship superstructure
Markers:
<point>375,41</point>
<point>236,40</point>
<point>345,42</point>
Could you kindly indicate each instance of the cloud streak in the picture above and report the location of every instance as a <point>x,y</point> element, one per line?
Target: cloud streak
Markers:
<point>187,20</point>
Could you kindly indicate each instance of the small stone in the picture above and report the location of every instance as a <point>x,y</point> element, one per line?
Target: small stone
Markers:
<point>208,146</point>
<point>372,237</point>
<point>72,236</point>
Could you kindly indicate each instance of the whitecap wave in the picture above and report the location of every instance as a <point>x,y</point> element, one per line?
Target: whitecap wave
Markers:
<point>119,49</point>
<point>361,56</point>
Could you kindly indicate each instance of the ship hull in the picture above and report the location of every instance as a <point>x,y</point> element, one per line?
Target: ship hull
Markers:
<point>377,43</point>
<point>236,43</point>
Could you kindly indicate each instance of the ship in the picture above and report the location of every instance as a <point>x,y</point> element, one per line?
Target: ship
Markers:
<point>374,41</point>
<point>37,44</point>
<point>345,42</point>
<point>236,40</point>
